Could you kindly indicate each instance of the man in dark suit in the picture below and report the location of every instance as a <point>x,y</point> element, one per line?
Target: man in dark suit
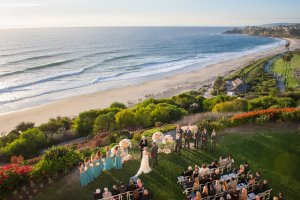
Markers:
<point>178,143</point>
<point>143,143</point>
<point>196,137</point>
<point>187,137</point>
<point>180,131</point>
<point>204,139</point>
<point>154,154</point>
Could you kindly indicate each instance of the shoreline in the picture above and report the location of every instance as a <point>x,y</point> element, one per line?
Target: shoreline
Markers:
<point>161,88</point>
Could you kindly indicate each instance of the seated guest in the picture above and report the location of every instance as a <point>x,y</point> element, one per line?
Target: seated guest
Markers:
<point>218,187</point>
<point>136,195</point>
<point>257,197</point>
<point>275,198</point>
<point>203,170</point>
<point>228,197</point>
<point>241,170</point>
<point>198,196</point>
<point>247,167</point>
<point>251,180</point>
<point>139,185</point>
<point>216,175</point>
<point>244,194</point>
<point>106,193</point>
<point>211,191</point>
<point>196,184</point>
<point>222,162</point>
<point>232,184</point>
<point>225,186</point>
<point>213,165</point>
<point>280,196</point>
<point>264,186</point>
<point>203,179</point>
<point>257,176</point>
<point>234,195</point>
<point>196,172</point>
<point>204,192</point>
<point>122,188</point>
<point>146,195</point>
<point>115,191</point>
<point>131,186</point>
<point>98,194</point>
<point>189,184</point>
<point>188,172</point>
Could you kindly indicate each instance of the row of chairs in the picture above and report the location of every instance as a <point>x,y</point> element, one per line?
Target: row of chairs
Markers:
<point>123,196</point>
<point>184,179</point>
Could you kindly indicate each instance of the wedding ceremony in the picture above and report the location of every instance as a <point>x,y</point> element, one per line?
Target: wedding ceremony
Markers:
<point>149,100</point>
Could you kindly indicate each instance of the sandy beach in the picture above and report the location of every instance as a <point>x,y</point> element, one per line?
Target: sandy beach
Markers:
<point>129,95</point>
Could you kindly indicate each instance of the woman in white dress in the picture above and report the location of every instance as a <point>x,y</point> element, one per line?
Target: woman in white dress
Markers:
<point>144,168</point>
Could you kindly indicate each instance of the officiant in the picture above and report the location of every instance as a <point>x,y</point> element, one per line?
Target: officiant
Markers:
<point>143,143</point>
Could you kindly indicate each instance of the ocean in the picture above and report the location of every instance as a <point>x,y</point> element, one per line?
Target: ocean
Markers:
<point>42,65</point>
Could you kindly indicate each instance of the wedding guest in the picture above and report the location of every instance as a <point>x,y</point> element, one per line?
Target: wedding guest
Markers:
<point>189,184</point>
<point>264,186</point>
<point>96,168</point>
<point>139,184</point>
<point>187,137</point>
<point>83,175</point>
<point>108,159</point>
<point>131,186</point>
<point>97,194</point>
<point>122,187</point>
<point>204,169</point>
<point>241,170</point>
<point>213,165</point>
<point>216,175</point>
<point>244,194</point>
<point>89,170</point>
<point>154,154</point>
<point>178,143</point>
<point>232,184</point>
<point>218,186</point>
<point>234,195</point>
<point>257,176</point>
<point>204,192</point>
<point>118,158</point>
<point>143,144</point>
<point>196,137</point>
<point>204,139</point>
<point>188,172</point>
<point>198,196</point>
<point>280,196</point>
<point>211,191</point>
<point>196,172</point>
<point>196,184</point>
<point>225,186</point>
<point>275,198</point>
<point>106,193</point>
<point>213,140</point>
<point>203,179</point>
<point>251,180</point>
<point>135,195</point>
<point>228,197</point>
<point>247,167</point>
<point>180,131</point>
<point>101,165</point>
<point>146,195</point>
<point>115,191</point>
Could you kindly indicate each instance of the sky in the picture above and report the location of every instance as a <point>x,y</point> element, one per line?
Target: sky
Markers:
<point>78,13</point>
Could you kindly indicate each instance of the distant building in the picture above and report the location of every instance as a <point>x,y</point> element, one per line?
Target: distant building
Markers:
<point>235,87</point>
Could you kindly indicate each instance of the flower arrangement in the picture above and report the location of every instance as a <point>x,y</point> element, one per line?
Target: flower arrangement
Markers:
<point>157,137</point>
<point>192,128</point>
<point>166,150</point>
<point>125,143</point>
<point>167,139</point>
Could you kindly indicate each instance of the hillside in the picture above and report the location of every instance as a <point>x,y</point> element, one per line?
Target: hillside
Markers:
<point>287,31</point>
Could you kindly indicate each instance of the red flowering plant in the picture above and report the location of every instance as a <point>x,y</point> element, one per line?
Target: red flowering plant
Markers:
<point>270,114</point>
<point>11,176</point>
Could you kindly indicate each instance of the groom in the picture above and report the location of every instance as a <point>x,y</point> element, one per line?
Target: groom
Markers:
<point>154,153</point>
<point>143,143</point>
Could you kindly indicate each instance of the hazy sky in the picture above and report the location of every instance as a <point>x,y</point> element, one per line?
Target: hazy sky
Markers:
<point>45,13</point>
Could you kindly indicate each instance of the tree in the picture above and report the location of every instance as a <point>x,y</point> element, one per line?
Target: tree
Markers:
<point>219,86</point>
<point>125,119</point>
<point>142,117</point>
<point>117,105</point>
<point>104,122</point>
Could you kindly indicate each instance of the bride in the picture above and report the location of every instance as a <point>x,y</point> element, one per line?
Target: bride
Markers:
<point>144,168</point>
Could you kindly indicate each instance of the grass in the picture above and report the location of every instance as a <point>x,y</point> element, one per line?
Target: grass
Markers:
<point>295,63</point>
<point>274,148</point>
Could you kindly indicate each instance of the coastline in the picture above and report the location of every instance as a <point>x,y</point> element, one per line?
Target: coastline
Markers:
<point>164,87</point>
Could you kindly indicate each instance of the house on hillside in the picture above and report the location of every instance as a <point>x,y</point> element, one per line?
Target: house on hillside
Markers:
<point>235,87</point>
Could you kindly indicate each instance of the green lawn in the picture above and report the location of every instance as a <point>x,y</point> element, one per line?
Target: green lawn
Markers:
<point>278,67</point>
<point>274,149</point>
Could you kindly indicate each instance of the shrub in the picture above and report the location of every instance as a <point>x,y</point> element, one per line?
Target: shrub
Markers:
<point>125,119</point>
<point>11,177</point>
<point>117,105</point>
<point>166,113</point>
<point>142,117</point>
<point>231,106</point>
<point>84,123</point>
<point>104,122</point>
<point>117,136</point>
<point>267,101</point>
<point>28,144</point>
<point>185,100</point>
<point>56,160</point>
<point>53,125</point>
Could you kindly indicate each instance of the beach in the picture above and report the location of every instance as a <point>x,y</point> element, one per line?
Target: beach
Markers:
<point>164,87</point>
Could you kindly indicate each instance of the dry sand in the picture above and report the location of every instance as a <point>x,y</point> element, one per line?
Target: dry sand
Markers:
<point>166,87</point>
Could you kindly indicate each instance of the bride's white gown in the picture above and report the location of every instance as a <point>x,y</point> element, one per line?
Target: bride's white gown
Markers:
<point>144,168</point>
